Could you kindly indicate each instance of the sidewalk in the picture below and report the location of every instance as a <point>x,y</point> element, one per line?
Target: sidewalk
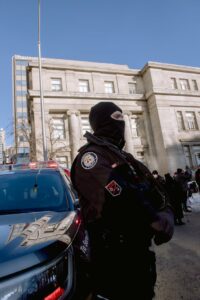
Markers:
<point>178,264</point>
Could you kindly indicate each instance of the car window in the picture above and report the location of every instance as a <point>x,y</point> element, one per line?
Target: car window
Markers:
<point>71,189</point>
<point>32,191</point>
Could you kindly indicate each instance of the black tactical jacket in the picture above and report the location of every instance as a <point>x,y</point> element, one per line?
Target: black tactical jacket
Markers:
<point>117,191</point>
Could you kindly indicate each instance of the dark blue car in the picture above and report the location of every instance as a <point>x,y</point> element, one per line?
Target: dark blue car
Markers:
<point>39,230</point>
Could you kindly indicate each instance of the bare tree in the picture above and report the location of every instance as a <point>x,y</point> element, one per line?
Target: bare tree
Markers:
<point>56,144</point>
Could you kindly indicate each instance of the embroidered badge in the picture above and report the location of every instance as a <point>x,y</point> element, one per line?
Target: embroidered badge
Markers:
<point>89,160</point>
<point>113,188</point>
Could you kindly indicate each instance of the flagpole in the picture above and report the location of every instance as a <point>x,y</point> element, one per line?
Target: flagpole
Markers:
<point>44,140</point>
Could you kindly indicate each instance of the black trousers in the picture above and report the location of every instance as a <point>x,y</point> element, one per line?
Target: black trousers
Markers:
<point>126,276</point>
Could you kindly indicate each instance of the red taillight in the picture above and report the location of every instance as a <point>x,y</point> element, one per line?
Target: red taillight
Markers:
<point>45,164</point>
<point>32,165</point>
<point>52,164</point>
<point>55,295</point>
<point>67,172</point>
<point>78,221</point>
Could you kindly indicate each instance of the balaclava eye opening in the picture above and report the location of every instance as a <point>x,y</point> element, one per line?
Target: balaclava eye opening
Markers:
<point>104,125</point>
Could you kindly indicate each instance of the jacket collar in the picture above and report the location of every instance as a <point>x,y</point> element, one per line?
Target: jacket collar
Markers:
<point>97,141</point>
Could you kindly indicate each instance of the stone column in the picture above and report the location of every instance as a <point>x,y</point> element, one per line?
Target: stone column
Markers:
<point>74,131</point>
<point>128,134</point>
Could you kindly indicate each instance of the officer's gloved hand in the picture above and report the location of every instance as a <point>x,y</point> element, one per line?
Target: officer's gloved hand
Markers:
<point>163,227</point>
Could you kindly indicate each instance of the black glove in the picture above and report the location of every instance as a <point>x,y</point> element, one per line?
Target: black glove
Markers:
<point>163,227</point>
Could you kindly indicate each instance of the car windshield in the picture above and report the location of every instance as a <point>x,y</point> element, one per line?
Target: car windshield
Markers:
<point>32,191</point>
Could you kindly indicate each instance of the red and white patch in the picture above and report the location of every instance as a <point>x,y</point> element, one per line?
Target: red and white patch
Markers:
<point>113,188</point>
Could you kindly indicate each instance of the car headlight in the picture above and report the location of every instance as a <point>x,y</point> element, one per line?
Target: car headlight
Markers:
<point>51,280</point>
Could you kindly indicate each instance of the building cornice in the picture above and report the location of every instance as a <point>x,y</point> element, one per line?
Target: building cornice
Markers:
<point>169,67</point>
<point>193,140</point>
<point>81,68</point>
<point>170,92</point>
<point>75,95</point>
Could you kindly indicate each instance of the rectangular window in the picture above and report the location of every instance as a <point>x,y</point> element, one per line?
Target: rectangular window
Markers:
<point>174,83</point>
<point>22,62</point>
<point>134,127</point>
<point>20,72</point>
<point>23,126</point>
<point>184,84</point>
<point>22,138</point>
<point>21,104</point>
<point>187,154</point>
<point>85,125</point>
<point>21,93</point>
<point>132,87</point>
<point>140,156</point>
<point>22,115</point>
<point>56,84</point>
<point>21,82</point>
<point>191,120</point>
<point>194,84</point>
<point>22,150</point>
<point>84,86</point>
<point>58,128</point>
<point>109,87</point>
<point>180,120</point>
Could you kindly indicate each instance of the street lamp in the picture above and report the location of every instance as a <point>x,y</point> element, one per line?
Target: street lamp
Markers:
<point>44,140</point>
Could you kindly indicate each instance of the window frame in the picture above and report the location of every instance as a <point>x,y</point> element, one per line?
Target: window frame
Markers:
<point>174,84</point>
<point>184,84</point>
<point>109,89</point>
<point>86,126</point>
<point>84,86</point>
<point>194,85</point>
<point>56,129</point>
<point>180,121</point>
<point>189,121</point>
<point>56,87</point>
<point>134,130</point>
<point>132,88</point>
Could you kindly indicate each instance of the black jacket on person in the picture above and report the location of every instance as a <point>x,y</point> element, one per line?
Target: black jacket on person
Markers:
<point>197,176</point>
<point>174,191</point>
<point>119,199</point>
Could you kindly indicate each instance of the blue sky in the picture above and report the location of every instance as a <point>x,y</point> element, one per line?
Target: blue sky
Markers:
<point>128,32</point>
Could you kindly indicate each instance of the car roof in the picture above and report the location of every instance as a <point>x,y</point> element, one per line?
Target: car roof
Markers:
<point>29,171</point>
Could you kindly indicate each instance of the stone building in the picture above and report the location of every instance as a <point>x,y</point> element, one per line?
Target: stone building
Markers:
<point>2,146</point>
<point>160,104</point>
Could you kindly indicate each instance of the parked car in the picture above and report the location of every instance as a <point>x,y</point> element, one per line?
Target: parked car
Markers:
<point>42,241</point>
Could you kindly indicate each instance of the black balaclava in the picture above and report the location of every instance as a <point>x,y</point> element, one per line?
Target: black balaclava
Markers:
<point>104,125</point>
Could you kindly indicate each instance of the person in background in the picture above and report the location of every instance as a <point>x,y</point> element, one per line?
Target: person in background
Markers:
<point>123,209</point>
<point>197,177</point>
<point>188,173</point>
<point>175,193</point>
<point>158,177</point>
<point>182,180</point>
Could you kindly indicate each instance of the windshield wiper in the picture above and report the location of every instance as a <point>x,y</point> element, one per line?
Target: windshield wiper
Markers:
<point>11,211</point>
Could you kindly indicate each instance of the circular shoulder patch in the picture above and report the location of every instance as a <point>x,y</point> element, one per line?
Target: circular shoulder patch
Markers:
<point>89,160</point>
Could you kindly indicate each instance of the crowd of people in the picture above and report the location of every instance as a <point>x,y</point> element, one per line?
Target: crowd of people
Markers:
<point>180,187</point>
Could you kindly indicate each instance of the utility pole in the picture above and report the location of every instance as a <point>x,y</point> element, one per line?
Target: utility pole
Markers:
<point>44,140</point>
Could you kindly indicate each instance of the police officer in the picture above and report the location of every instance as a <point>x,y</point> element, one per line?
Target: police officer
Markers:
<point>123,209</point>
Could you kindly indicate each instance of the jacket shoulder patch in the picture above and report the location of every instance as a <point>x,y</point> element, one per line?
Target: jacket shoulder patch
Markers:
<point>113,188</point>
<point>89,160</point>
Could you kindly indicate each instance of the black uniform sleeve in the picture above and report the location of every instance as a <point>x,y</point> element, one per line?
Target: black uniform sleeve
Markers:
<point>90,174</point>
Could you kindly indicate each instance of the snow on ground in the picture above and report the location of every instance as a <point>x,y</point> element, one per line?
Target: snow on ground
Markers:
<point>194,202</point>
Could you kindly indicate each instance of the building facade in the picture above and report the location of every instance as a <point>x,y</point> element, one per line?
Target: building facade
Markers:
<point>160,104</point>
<point>2,146</point>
